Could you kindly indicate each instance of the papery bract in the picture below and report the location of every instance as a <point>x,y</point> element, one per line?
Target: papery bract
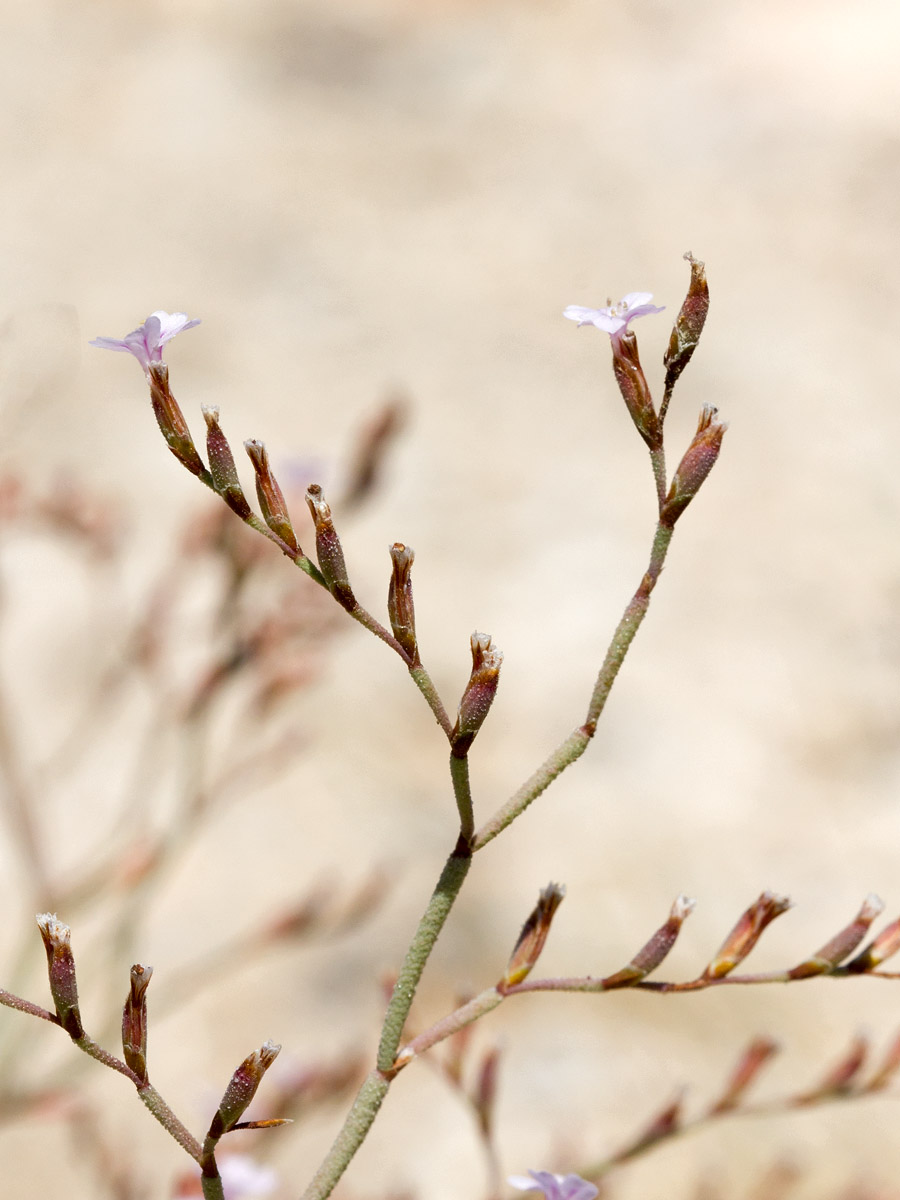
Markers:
<point>146,342</point>
<point>554,1187</point>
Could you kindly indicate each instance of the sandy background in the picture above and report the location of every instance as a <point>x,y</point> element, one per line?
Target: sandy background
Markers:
<point>356,196</point>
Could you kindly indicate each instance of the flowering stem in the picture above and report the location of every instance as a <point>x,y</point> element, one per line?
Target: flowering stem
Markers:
<point>658,462</point>
<point>493,997</point>
<point>472,1010</point>
<point>358,1123</point>
<point>372,1093</point>
<point>212,1187</point>
<point>25,1006</point>
<point>459,773</point>
<point>577,742</point>
<point>358,613</point>
<point>155,1104</point>
<point>664,407</point>
<point>425,684</point>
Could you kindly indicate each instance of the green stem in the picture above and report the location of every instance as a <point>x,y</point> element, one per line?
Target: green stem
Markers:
<point>372,1093</point>
<point>357,1125</point>
<point>455,870</point>
<point>459,773</point>
<point>425,684</point>
<point>212,1187</point>
<point>658,462</point>
<point>577,742</point>
<point>155,1104</point>
<point>369,622</point>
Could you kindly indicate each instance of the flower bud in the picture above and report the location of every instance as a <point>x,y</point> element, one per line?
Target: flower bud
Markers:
<point>746,934</point>
<point>329,550</point>
<point>61,972</point>
<point>533,936</point>
<point>479,694</point>
<point>888,1068</point>
<point>171,420</point>
<point>842,944</point>
<point>878,950</point>
<point>221,464</point>
<point>633,386</point>
<point>698,461</point>
<point>271,499</point>
<point>749,1065</point>
<point>842,1076</point>
<point>242,1088</point>
<point>688,324</point>
<point>134,1022</point>
<point>485,1092</point>
<point>400,599</point>
<point>650,956</point>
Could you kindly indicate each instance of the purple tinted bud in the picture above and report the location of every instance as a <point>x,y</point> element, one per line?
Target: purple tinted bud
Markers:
<point>57,939</point>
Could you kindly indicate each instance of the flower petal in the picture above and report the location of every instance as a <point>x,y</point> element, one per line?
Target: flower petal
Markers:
<point>146,342</point>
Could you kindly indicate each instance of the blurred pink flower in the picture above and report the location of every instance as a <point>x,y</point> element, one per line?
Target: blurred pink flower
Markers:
<point>614,319</point>
<point>554,1187</point>
<point>242,1178</point>
<point>147,341</point>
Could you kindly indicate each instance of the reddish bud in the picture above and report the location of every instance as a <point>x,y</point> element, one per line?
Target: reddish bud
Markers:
<point>485,1093</point>
<point>221,464</point>
<point>688,324</point>
<point>664,1125</point>
<point>699,459</point>
<point>633,386</point>
<point>842,944</point>
<point>533,936</point>
<point>649,957</point>
<point>171,420</point>
<point>878,951</point>
<point>400,599</point>
<point>329,550</point>
<point>749,1066</point>
<point>57,939</point>
<point>478,695</point>
<point>271,498</point>
<point>242,1088</point>
<point>746,934</point>
<point>134,1022</point>
<point>888,1068</point>
<point>841,1077</point>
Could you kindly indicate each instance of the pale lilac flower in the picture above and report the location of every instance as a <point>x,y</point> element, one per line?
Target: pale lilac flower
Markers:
<point>554,1187</point>
<point>615,318</point>
<point>146,342</point>
<point>242,1178</point>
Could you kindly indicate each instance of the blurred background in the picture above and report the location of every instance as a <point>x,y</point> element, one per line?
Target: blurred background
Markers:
<point>372,199</point>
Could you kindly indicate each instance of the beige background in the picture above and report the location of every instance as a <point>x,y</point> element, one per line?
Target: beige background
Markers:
<point>361,195</point>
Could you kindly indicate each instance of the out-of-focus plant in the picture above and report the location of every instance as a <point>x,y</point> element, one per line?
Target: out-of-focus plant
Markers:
<point>330,575</point>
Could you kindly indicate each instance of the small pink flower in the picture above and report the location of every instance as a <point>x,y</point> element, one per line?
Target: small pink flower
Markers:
<point>554,1187</point>
<point>616,318</point>
<point>146,342</point>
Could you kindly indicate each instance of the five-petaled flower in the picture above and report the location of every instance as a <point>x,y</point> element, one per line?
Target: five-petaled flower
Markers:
<point>615,318</point>
<point>147,341</point>
<point>554,1187</point>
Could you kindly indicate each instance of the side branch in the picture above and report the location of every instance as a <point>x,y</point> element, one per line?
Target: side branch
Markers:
<point>577,742</point>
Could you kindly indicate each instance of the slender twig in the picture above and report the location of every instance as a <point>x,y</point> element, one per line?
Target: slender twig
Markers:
<point>459,773</point>
<point>577,742</point>
<point>658,462</point>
